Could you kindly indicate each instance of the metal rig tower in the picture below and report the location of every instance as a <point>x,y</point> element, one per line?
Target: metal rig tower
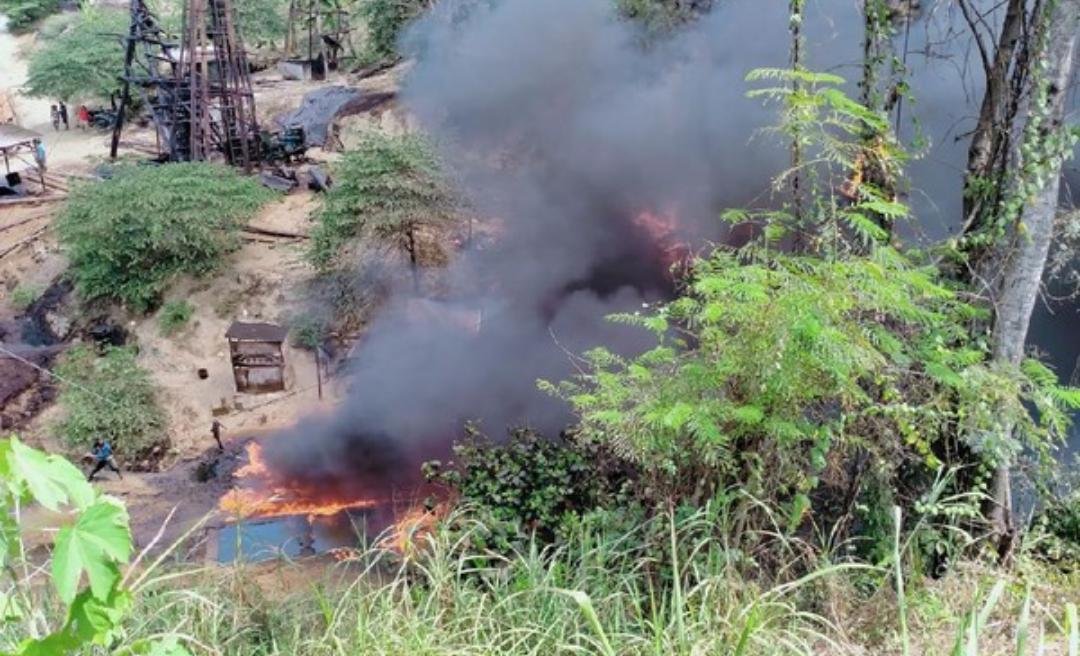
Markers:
<point>199,93</point>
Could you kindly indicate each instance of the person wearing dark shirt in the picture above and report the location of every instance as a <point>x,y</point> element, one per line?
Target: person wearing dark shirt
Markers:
<point>215,429</point>
<point>103,457</point>
<point>64,115</point>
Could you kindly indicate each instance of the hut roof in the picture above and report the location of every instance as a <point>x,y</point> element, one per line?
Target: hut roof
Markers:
<point>14,135</point>
<point>256,332</point>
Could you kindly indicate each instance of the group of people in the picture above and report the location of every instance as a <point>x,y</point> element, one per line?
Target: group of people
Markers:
<point>59,115</point>
<point>101,454</point>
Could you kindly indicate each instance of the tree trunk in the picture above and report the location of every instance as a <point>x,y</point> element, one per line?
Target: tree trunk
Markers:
<point>1025,260</point>
<point>984,154</point>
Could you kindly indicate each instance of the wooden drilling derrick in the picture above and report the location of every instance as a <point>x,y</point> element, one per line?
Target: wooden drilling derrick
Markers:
<point>216,100</point>
<point>147,68</point>
<point>198,92</point>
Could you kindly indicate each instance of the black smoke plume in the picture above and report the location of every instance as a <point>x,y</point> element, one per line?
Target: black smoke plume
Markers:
<point>556,117</point>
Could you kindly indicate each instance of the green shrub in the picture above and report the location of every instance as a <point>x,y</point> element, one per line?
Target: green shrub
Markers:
<point>111,397</point>
<point>528,481</point>
<point>1058,526</point>
<point>388,185</point>
<point>661,16</point>
<point>22,13</point>
<point>128,237</point>
<point>83,61</point>
<point>262,23</point>
<point>771,372</point>
<point>174,315</point>
<point>24,296</point>
<point>385,20</point>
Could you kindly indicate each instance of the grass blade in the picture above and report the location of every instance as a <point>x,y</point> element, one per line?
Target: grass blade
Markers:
<point>1074,629</point>
<point>1022,623</point>
<point>901,602</point>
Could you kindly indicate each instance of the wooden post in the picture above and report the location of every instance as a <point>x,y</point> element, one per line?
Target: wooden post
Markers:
<point>318,369</point>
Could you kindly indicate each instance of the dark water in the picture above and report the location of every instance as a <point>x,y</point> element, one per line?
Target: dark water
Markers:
<point>296,536</point>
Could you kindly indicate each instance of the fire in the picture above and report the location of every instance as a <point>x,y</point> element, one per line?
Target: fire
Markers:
<point>260,494</point>
<point>662,228</point>
<point>406,535</point>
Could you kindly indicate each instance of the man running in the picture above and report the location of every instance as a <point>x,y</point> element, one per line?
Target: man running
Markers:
<point>103,457</point>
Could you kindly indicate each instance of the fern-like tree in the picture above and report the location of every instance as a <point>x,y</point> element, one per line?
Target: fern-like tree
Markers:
<point>130,236</point>
<point>84,61</point>
<point>387,188</point>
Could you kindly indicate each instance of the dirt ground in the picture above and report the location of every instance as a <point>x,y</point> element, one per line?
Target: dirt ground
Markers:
<point>262,281</point>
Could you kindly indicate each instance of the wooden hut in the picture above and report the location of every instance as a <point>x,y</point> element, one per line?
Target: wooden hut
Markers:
<point>257,359</point>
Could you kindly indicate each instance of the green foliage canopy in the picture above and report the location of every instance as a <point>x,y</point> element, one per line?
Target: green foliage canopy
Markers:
<point>262,23</point>
<point>22,13</point>
<point>128,237</point>
<point>768,369</point>
<point>109,397</point>
<point>385,19</point>
<point>386,186</point>
<point>84,61</point>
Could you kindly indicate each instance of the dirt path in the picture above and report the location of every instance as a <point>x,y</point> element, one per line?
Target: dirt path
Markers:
<point>66,149</point>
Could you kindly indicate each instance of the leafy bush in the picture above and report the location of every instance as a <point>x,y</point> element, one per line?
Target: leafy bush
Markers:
<point>262,23</point>
<point>22,13</point>
<point>174,315</point>
<point>128,237</point>
<point>662,16</point>
<point>24,296</point>
<point>1059,529</point>
<point>771,373</point>
<point>384,20</point>
<point>388,185</point>
<point>84,61</point>
<point>528,481</point>
<point>109,397</point>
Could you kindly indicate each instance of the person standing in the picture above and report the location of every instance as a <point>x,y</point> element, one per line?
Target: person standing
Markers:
<point>82,117</point>
<point>39,154</point>
<point>102,454</point>
<point>64,115</point>
<point>215,429</point>
<point>54,116</point>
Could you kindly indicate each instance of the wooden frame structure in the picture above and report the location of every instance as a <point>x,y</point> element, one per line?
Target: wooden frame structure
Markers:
<point>16,141</point>
<point>199,91</point>
<point>257,359</point>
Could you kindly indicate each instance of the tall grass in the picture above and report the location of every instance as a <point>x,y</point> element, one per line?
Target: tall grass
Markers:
<point>664,586</point>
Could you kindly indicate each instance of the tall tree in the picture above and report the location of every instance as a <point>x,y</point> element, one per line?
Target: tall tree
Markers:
<point>1031,203</point>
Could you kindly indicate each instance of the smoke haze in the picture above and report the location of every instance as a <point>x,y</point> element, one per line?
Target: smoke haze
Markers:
<point>553,117</point>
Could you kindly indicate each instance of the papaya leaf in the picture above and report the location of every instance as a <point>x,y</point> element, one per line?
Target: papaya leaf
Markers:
<point>98,541</point>
<point>51,479</point>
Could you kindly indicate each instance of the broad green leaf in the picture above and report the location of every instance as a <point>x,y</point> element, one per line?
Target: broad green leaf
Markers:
<point>169,646</point>
<point>52,645</point>
<point>92,621</point>
<point>51,479</point>
<point>95,544</point>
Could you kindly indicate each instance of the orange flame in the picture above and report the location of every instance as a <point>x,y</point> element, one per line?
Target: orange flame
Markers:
<point>663,230</point>
<point>406,535</point>
<point>261,495</point>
